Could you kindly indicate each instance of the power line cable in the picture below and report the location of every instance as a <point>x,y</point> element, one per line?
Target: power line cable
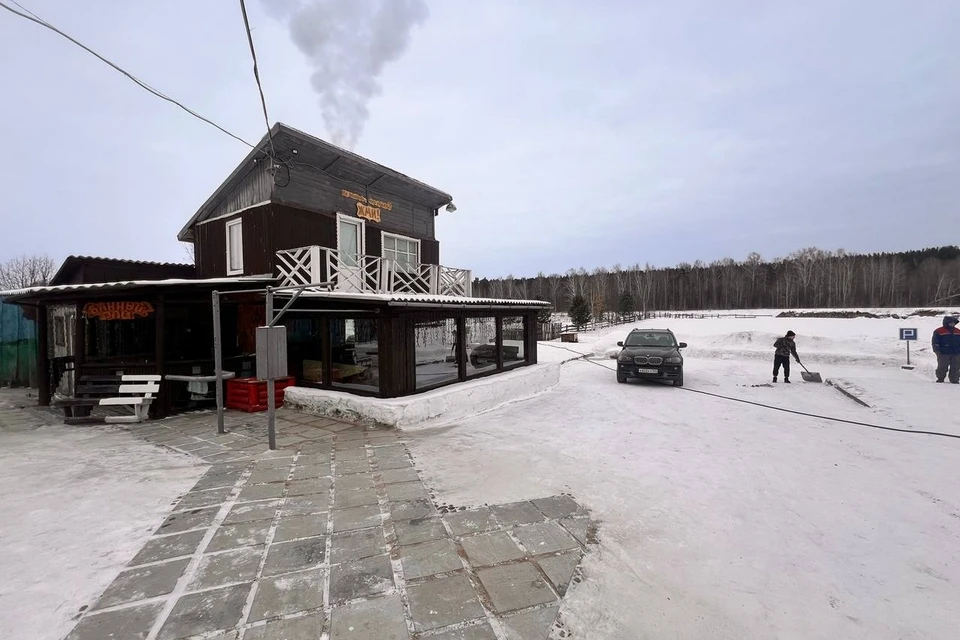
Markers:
<point>584,357</point>
<point>256,75</point>
<point>32,17</point>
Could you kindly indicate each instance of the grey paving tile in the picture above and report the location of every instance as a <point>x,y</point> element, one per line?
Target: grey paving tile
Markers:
<point>429,558</point>
<point>205,498</point>
<point>360,578</point>
<point>217,481</point>
<point>268,462</point>
<point>205,612</point>
<point>219,569</point>
<point>545,537</point>
<point>260,492</point>
<point>472,521</point>
<point>376,619</point>
<point>356,498</point>
<point>560,569</point>
<point>583,529</point>
<point>308,627</point>
<point>165,547</point>
<point>443,602</point>
<point>252,511</point>
<point>351,467</point>
<point>311,471</point>
<point>186,520</point>
<point>487,549</point>
<point>293,527</point>
<point>263,476</point>
<point>476,632</point>
<point>557,507</point>
<point>133,623</point>
<point>407,491</point>
<point>308,487</point>
<point>295,556</point>
<point>356,481</point>
<point>244,534</point>
<point>356,453</point>
<point>515,586</point>
<point>355,545</point>
<point>419,530</point>
<point>306,505</point>
<point>412,509</point>
<point>146,582</point>
<point>405,474</point>
<point>517,513</point>
<point>386,451</point>
<point>530,625</point>
<point>356,518</point>
<point>288,593</point>
<point>314,459</point>
<point>394,463</point>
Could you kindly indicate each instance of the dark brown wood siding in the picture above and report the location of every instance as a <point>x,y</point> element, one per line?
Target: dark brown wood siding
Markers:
<point>266,230</point>
<point>429,252</point>
<point>211,248</point>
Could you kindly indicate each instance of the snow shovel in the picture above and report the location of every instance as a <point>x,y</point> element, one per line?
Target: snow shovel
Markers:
<point>809,376</point>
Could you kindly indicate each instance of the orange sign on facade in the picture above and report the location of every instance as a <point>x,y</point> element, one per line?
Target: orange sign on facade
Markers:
<point>367,212</point>
<point>117,310</point>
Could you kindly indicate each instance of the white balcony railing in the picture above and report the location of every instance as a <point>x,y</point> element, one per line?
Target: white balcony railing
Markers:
<point>369,274</point>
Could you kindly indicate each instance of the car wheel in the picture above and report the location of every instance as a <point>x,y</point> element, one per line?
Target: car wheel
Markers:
<point>621,378</point>
<point>679,381</point>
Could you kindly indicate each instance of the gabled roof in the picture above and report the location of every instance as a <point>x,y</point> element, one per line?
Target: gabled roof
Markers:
<point>335,162</point>
<point>139,269</point>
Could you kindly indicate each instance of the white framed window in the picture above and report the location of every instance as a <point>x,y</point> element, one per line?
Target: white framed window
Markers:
<point>234,248</point>
<point>401,249</point>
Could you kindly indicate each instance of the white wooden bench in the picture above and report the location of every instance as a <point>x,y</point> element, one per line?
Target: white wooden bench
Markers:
<point>142,390</point>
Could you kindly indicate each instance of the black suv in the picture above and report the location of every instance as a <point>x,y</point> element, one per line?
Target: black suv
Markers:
<point>653,354</point>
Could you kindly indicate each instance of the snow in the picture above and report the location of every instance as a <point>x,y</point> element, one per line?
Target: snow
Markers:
<point>720,519</point>
<point>77,504</point>
<point>454,402</point>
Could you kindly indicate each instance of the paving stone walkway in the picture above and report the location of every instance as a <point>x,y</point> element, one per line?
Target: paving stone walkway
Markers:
<point>334,536</point>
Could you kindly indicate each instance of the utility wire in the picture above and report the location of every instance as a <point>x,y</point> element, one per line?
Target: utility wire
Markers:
<point>29,15</point>
<point>584,357</point>
<point>256,75</point>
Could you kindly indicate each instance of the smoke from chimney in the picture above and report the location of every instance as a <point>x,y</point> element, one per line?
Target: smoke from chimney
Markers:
<point>348,43</point>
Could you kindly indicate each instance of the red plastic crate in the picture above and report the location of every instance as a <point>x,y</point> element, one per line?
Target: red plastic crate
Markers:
<point>250,394</point>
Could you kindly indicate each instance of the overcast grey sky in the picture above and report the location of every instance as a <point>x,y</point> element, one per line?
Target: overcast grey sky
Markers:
<point>569,133</point>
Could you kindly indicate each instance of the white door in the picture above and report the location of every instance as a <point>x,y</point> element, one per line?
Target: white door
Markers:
<point>350,252</point>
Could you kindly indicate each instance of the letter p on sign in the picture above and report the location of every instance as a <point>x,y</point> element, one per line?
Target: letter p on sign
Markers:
<point>908,334</point>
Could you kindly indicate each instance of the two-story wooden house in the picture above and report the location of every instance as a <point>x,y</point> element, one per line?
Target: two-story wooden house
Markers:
<point>381,317</point>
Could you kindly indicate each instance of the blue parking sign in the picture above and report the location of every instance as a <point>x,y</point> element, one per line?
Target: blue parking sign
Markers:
<point>908,334</point>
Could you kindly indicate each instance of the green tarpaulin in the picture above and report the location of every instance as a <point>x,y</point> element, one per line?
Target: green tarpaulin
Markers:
<point>18,347</point>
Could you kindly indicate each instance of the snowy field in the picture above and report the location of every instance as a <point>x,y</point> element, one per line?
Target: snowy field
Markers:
<point>77,504</point>
<point>726,520</point>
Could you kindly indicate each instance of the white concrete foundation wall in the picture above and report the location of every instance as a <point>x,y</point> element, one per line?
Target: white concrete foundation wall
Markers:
<point>455,402</point>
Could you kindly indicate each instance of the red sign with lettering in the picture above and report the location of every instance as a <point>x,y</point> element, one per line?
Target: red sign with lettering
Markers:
<point>117,310</point>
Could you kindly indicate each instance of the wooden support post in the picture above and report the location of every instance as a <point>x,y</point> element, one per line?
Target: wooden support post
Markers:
<point>80,341</point>
<point>161,408</point>
<point>43,359</point>
<point>218,360</point>
<point>461,348</point>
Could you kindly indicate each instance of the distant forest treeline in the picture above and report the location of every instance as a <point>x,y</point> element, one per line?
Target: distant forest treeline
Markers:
<point>810,278</point>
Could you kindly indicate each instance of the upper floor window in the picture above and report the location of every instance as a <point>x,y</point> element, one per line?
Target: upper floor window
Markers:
<point>405,251</point>
<point>234,248</point>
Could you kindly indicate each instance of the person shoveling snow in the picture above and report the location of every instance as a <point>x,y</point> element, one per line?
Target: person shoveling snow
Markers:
<point>946,344</point>
<point>785,347</point>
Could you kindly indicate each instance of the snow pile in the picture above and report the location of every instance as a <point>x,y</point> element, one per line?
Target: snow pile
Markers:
<point>77,505</point>
<point>452,403</point>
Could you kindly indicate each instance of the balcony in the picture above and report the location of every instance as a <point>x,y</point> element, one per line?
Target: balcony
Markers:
<point>369,274</point>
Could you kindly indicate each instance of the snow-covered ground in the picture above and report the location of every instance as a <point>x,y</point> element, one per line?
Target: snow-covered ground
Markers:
<point>76,505</point>
<point>725,520</point>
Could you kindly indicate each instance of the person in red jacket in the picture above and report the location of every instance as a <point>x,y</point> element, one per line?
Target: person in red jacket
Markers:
<point>946,344</point>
